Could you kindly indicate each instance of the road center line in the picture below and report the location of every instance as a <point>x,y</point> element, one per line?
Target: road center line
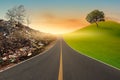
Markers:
<point>60,76</point>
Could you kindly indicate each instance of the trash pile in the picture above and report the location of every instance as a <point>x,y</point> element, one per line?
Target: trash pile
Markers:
<point>19,42</point>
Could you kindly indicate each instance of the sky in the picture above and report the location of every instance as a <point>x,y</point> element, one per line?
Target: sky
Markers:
<point>61,16</point>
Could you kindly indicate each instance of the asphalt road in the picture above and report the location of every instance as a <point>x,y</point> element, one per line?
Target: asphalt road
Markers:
<point>75,67</point>
<point>42,67</point>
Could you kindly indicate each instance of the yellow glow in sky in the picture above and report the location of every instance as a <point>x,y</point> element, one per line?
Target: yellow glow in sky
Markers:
<point>56,25</point>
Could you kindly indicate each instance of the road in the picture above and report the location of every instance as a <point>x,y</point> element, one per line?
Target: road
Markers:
<point>42,67</point>
<point>61,61</point>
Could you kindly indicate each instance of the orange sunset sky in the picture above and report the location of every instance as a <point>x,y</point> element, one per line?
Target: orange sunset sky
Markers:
<point>57,24</point>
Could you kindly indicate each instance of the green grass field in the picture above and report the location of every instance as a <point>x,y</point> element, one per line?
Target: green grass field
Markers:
<point>101,43</point>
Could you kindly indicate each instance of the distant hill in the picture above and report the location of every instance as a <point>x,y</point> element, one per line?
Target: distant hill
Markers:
<point>110,27</point>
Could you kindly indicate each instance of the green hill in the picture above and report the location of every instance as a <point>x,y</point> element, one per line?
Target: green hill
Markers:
<point>101,43</point>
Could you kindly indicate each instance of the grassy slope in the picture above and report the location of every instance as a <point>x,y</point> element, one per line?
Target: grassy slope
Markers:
<point>102,43</point>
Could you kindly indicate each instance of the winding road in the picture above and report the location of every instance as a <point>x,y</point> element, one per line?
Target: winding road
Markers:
<point>61,63</point>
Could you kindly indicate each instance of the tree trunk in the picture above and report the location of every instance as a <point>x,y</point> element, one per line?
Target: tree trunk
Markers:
<point>96,24</point>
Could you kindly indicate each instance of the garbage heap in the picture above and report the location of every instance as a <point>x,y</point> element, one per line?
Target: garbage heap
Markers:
<point>19,42</point>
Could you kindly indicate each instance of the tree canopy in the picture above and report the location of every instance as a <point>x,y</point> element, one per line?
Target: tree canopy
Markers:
<point>95,16</point>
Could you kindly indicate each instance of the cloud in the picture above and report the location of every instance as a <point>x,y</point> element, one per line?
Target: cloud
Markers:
<point>113,19</point>
<point>59,23</point>
<point>50,18</point>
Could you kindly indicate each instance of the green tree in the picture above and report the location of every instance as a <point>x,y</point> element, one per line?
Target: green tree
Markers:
<point>95,16</point>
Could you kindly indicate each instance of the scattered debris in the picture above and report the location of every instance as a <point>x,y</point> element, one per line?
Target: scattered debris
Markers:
<point>19,42</point>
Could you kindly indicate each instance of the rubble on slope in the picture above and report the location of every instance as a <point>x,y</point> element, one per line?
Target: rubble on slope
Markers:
<point>19,42</point>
